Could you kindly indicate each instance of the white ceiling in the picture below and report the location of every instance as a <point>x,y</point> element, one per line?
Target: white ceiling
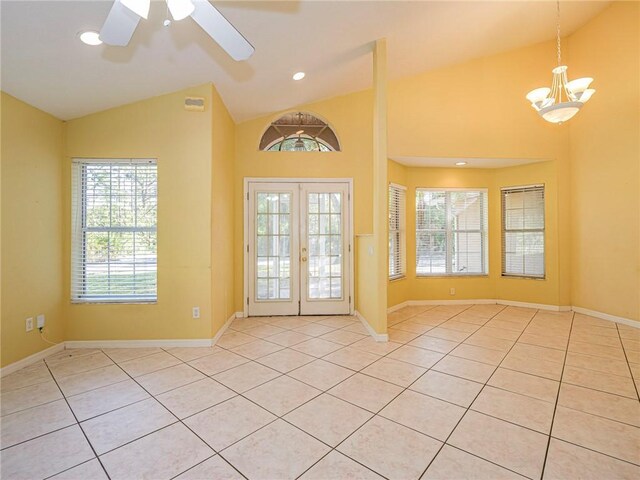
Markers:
<point>450,162</point>
<point>44,64</point>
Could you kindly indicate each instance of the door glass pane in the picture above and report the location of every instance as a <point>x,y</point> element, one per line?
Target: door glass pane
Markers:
<point>273,253</point>
<point>326,254</point>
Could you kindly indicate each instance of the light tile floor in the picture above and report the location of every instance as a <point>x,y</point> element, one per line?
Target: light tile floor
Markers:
<point>482,391</point>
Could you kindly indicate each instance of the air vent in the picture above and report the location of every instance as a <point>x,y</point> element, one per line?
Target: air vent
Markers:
<point>194,104</point>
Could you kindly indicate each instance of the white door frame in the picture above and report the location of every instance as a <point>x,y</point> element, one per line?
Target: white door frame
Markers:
<point>245,240</point>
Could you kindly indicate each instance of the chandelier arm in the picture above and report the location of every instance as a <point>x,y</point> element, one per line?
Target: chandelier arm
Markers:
<point>562,101</point>
<point>567,92</point>
<point>554,88</point>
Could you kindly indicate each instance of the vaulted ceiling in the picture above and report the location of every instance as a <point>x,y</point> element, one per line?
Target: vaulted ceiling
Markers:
<point>44,63</point>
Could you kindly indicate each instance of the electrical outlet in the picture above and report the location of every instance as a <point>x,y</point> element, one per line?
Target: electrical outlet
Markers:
<point>452,291</point>
<point>40,321</point>
<point>29,324</point>
<point>195,312</point>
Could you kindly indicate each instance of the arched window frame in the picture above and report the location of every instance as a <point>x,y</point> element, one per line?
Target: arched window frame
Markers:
<point>322,133</point>
<point>322,146</point>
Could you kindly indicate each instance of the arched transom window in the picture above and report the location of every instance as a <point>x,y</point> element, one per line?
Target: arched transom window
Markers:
<point>299,132</point>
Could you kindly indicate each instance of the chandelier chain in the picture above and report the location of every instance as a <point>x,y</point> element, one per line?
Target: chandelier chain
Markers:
<point>565,98</point>
<point>558,31</point>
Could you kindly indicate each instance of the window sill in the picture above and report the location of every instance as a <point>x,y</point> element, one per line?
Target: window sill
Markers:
<point>523,277</point>
<point>453,275</point>
<point>104,301</point>
<point>395,279</point>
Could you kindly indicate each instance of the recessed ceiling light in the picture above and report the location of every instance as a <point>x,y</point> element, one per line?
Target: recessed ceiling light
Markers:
<point>461,163</point>
<point>90,37</point>
<point>299,75</point>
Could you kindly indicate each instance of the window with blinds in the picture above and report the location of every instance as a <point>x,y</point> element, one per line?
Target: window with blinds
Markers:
<point>451,232</point>
<point>114,236</point>
<point>523,231</point>
<point>397,231</point>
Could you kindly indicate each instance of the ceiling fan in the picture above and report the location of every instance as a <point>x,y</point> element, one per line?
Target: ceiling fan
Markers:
<point>124,16</point>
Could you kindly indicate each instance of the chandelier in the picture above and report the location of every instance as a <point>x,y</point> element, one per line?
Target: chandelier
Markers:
<point>299,145</point>
<point>565,98</point>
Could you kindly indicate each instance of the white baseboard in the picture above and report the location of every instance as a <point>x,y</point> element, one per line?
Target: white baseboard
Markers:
<point>162,343</point>
<point>539,306</point>
<point>31,359</point>
<point>480,301</point>
<point>223,328</point>
<point>239,314</point>
<point>378,337</point>
<point>512,303</point>
<point>168,343</point>
<point>397,306</point>
<point>606,316</point>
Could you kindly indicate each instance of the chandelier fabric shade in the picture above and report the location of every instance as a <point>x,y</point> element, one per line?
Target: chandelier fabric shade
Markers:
<point>565,98</point>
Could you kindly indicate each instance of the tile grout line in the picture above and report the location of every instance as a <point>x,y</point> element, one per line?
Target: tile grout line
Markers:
<point>404,390</point>
<point>474,399</point>
<point>624,351</point>
<point>80,427</point>
<point>342,346</point>
<point>278,417</point>
<point>216,454</point>
<point>162,428</point>
<point>378,413</point>
<point>374,414</point>
<point>78,465</point>
<point>555,408</point>
<point>281,417</point>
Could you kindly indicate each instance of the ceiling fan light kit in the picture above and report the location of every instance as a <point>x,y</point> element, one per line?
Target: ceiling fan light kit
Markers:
<point>565,98</point>
<point>124,16</point>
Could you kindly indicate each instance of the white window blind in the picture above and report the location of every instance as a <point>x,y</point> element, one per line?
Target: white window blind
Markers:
<point>523,231</point>
<point>397,231</point>
<point>114,238</point>
<point>451,232</point>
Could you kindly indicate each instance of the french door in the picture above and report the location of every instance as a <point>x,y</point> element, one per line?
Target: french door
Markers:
<point>298,249</point>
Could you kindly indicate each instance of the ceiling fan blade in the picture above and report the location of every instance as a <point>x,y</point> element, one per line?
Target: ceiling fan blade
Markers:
<point>119,26</point>
<point>219,28</point>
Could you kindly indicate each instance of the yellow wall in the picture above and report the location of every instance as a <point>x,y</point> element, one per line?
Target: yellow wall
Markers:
<point>547,291</point>
<point>378,278</point>
<point>477,109</point>
<point>431,288</point>
<point>365,288</point>
<point>605,164</point>
<point>31,228</point>
<point>351,118</point>
<point>222,200</point>
<point>590,167</point>
<point>397,291</point>
<point>181,141</point>
<point>493,285</point>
